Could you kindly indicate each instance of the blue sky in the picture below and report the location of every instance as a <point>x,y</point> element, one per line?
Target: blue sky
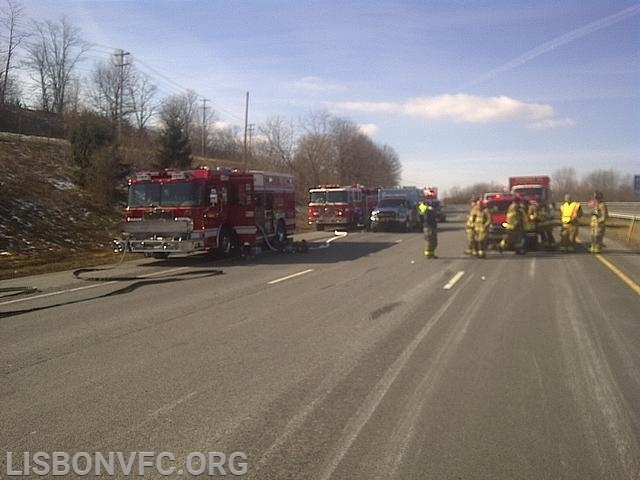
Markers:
<point>465,91</point>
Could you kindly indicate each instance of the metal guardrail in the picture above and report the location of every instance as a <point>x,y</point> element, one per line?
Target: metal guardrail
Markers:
<point>621,210</point>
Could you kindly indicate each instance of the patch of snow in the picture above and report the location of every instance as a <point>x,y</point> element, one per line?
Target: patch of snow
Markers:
<point>61,184</point>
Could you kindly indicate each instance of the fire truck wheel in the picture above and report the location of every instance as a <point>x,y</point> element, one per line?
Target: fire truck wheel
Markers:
<point>281,233</point>
<point>226,245</point>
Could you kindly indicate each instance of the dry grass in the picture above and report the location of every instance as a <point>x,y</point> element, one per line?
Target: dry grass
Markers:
<point>622,231</point>
<point>47,223</point>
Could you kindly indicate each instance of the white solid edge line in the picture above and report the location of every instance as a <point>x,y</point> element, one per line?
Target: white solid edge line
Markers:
<point>453,280</point>
<point>277,280</point>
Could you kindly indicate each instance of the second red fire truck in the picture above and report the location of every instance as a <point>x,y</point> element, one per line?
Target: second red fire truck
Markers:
<point>193,210</point>
<point>335,206</point>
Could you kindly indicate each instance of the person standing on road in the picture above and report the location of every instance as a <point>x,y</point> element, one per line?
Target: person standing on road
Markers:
<point>430,229</point>
<point>546,225</point>
<point>474,210</point>
<point>514,229</point>
<point>598,222</point>
<point>533,225</point>
<point>422,208</point>
<point>481,230</point>
<point>570,212</point>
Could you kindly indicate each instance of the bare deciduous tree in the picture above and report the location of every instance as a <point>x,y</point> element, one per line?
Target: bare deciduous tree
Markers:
<point>564,180</point>
<point>53,56</point>
<point>11,36</point>
<point>121,92</point>
<point>225,143</point>
<point>280,142</point>
<point>330,150</point>
<point>104,92</point>
<point>140,93</point>
<point>315,157</point>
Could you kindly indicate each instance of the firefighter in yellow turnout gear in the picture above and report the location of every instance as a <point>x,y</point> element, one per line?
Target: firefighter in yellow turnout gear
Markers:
<point>481,224</point>
<point>514,226</point>
<point>532,227</point>
<point>599,216</point>
<point>545,224</point>
<point>570,212</point>
<point>474,210</point>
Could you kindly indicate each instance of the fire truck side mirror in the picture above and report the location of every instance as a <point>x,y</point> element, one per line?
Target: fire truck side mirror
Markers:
<point>213,197</point>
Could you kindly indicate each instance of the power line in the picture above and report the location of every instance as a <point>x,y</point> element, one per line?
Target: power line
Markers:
<point>183,89</point>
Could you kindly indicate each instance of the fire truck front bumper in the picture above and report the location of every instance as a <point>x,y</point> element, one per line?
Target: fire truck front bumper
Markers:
<point>326,220</point>
<point>158,237</point>
<point>158,245</point>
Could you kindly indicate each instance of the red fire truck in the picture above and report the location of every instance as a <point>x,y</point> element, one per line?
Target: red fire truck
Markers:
<point>338,206</point>
<point>195,210</point>
<point>536,188</point>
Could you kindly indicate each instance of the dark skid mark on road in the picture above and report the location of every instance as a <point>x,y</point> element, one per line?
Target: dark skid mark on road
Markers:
<point>384,310</point>
<point>128,289</point>
<point>13,291</point>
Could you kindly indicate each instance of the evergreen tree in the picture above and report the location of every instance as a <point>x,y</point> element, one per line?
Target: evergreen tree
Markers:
<point>175,145</point>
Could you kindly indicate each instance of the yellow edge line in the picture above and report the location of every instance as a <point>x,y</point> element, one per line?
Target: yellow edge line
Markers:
<point>634,286</point>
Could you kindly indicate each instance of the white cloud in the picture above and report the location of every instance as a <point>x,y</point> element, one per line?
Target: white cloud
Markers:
<point>370,107</point>
<point>466,109</point>
<point>551,123</point>
<point>315,85</point>
<point>220,125</point>
<point>368,128</point>
<point>459,107</point>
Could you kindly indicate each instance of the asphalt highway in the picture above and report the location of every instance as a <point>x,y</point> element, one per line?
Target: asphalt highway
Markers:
<point>357,360</point>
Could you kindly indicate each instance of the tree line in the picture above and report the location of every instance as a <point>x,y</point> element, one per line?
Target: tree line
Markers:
<point>116,122</point>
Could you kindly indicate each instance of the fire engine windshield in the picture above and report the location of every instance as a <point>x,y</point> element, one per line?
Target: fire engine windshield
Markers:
<point>167,194</point>
<point>498,206</point>
<point>529,191</point>
<point>337,196</point>
<point>318,197</point>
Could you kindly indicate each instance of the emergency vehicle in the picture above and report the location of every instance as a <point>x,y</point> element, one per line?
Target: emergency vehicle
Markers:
<point>396,209</point>
<point>201,209</point>
<point>338,206</point>
<point>536,188</point>
<point>497,204</point>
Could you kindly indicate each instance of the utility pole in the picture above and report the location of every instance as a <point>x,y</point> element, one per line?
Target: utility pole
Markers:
<point>246,125</point>
<point>204,129</point>
<point>119,101</point>
<point>251,127</point>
